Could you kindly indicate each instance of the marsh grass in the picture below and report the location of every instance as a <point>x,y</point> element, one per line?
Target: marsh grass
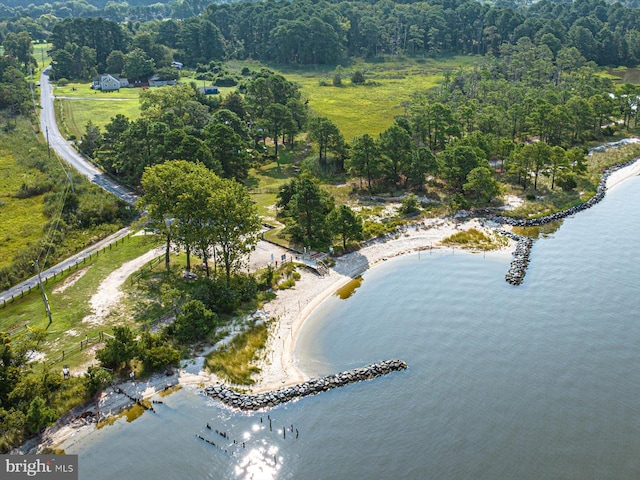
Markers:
<point>234,361</point>
<point>474,239</point>
<point>21,219</point>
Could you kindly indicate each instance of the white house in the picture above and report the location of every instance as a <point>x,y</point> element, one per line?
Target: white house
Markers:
<point>109,83</point>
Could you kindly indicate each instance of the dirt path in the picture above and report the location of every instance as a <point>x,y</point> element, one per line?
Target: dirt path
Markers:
<point>108,294</point>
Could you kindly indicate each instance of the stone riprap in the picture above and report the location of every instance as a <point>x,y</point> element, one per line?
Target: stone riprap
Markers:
<point>518,268</point>
<point>520,262</point>
<point>264,400</point>
<point>554,217</point>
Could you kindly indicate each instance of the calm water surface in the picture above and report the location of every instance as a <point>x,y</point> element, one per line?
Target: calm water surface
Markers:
<point>539,381</point>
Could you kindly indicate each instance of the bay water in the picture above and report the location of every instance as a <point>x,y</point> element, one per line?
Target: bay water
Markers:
<point>538,381</point>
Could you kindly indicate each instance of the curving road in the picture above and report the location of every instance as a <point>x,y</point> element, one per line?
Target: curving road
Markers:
<point>49,128</point>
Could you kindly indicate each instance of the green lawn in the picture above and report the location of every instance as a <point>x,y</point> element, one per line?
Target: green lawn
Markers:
<point>77,113</point>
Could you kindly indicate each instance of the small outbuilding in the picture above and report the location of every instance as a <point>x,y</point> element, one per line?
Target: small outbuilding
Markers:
<point>212,90</point>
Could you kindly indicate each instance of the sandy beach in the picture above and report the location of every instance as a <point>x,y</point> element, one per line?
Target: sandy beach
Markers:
<point>292,307</point>
<point>289,310</point>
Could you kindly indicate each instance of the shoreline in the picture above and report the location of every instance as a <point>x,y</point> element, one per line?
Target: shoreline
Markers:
<point>280,368</point>
<point>290,310</point>
<point>293,307</point>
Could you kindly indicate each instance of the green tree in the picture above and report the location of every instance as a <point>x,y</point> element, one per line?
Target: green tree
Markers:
<point>456,163</point>
<point>558,162</point>
<point>19,45</point>
<point>115,62</point>
<point>423,161</point>
<point>278,118</point>
<point>328,137</point>
<point>96,379</point>
<point>14,94</point>
<point>39,415</point>
<point>90,141</point>
<point>396,147</point>
<point>194,322</point>
<point>138,65</point>
<point>357,78</point>
<point>364,159</point>
<point>345,223</point>
<point>235,225</point>
<point>481,185</point>
<point>169,195</point>
<point>228,148</point>
<point>119,350</point>
<point>305,206</point>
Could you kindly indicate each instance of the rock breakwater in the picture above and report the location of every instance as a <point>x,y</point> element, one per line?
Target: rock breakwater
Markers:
<point>520,262</point>
<point>264,400</point>
<point>554,217</point>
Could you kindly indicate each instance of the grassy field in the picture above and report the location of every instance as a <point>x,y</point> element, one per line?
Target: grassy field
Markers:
<point>368,108</point>
<point>371,108</point>
<point>81,104</point>
<point>624,74</point>
<point>21,219</point>
<point>41,54</point>
<point>77,113</point>
<point>71,304</point>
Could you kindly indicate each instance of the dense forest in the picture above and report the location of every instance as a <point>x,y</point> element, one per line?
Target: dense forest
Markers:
<point>305,32</point>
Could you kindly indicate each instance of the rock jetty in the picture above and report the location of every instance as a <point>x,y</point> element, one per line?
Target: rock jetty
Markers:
<point>260,401</point>
<point>518,268</point>
<point>520,262</point>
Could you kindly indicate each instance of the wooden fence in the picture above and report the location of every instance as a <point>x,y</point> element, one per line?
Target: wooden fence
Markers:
<point>84,344</point>
<point>55,275</point>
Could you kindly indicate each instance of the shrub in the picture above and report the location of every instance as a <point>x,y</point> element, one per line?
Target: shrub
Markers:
<point>96,379</point>
<point>226,81</point>
<point>357,78</point>
<point>567,182</point>
<point>159,358</point>
<point>216,295</point>
<point>63,82</point>
<point>39,415</point>
<point>410,204</point>
<point>194,322</point>
<point>31,190</point>
<point>122,348</point>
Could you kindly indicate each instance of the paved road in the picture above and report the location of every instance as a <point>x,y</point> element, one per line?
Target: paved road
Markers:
<point>261,257</point>
<point>49,128</point>
<point>59,268</point>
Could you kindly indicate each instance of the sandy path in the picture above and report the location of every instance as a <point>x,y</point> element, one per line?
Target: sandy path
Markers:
<point>108,294</point>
